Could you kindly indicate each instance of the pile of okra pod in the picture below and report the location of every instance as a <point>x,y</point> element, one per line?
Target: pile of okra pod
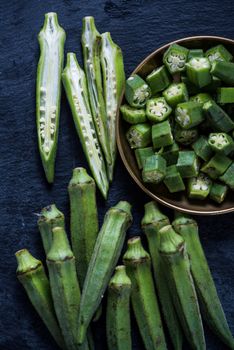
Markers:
<point>174,296</point>
<point>182,117</point>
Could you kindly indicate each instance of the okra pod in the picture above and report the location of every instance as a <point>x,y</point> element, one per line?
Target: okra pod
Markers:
<point>31,274</point>
<point>218,118</point>
<point>104,258</point>
<point>133,115</point>
<point>137,92</point>
<point>143,296</point>
<point>118,328</point>
<point>175,58</point>
<point>162,134</point>
<point>74,82</point>
<point>208,298</point>
<point>158,79</point>
<point>218,53</point>
<point>224,71</point>
<point>48,90</point>
<point>228,176</point>
<point>157,109</point>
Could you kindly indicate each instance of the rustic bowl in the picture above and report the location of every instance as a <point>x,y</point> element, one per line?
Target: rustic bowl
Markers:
<point>178,201</point>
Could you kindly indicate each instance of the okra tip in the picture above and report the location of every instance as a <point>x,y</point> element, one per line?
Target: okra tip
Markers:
<point>80,176</point>
<point>60,249</point>
<point>170,241</point>
<point>152,213</point>
<point>182,219</point>
<point>124,206</point>
<point>120,277</point>
<point>135,252</point>
<point>88,23</point>
<point>26,261</point>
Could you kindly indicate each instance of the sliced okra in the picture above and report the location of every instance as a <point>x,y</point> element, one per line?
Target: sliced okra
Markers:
<point>188,114</point>
<point>170,153</point>
<point>224,71</point>
<point>218,53</point>
<point>185,136</point>
<point>218,192</point>
<point>173,180</point>
<point>158,79</point>
<point>215,83</point>
<point>154,169</point>
<point>191,88</point>
<point>141,155</point>
<point>225,95</point>
<point>221,143</point>
<point>157,109</point>
<point>133,115</point>
<point>199,186</point>
<point>162,134</point>
<point>198,71</point>
<point>137,92</point>
<point>216,166</point>
<point>139,135</point>
<point>175,58</point>
<point>218,118</point>
<point>176,93</point>
<point>228,176</point>
<point>187,164</point>
<point>202,148</point>
<point>195,53</point>
<point>201,98</point>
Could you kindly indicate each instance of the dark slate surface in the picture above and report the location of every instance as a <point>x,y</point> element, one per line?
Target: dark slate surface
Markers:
<point>138,27</point>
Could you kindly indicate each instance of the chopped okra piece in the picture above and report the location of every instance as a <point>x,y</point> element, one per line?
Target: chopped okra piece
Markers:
<point>141,155</point>
<point>228,176</point>
<point>158,79</point>
<point>218,118</point>
<point>198,71</point>
<point>224,71</point>
<point>225,95</point>
<point>187,164</point>
<point>154,169</point>
<point>191,88</point>
<point>137,92</point>
<point>218,192</point>
<point>170,153</point>
<point>195,53</point>
<point>188,114</point>
<point>201,98</point>
<point>157,109</point>
<point>216,166</point>
<point>185,136</point>
<point>139,135</point>
<point>175,58</point>
<point>221,143</point>
<point>218,53</point>
<point>202,148</point>
<point>133,115</point>
<point>173,180</point>
<point>199,186</point>
<point>176,93</point>
<point>162,135</point>
<point>215,83</point>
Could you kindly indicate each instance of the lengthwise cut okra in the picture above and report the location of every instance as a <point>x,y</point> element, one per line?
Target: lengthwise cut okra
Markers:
<point>48,90</point>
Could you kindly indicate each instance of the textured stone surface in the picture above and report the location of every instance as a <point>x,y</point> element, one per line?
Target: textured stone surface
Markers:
<point>138,27</point>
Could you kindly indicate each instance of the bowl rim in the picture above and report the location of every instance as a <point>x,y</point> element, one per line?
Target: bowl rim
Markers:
<point>121,152</point>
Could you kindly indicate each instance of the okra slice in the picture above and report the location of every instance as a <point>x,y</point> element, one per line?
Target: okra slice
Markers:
<point>173,180</point>
<point>201,98</point>
<point>188,114</point>
<point>212,87</point>
<point>154,169</point>
<point>141,155</point>
<point>137,92</point>
<point>198,71</point>
<point>224,71</point>
<point>162,134</point>
<point>191,88</point>
<point>216,166</point>
<point>221,143</point>
<point>139,135</point>
<point>218,53</point>
<point>218,118</point>
<point>185,136</point>
<point>187,164</point>
<point>157,109</point>
<point>218,192</point>
<point>158,79</point>
<point>228,176</point>
<point>202,148</point>
<point>133,115</point>
<point>225,95</point>
<point>176,93</point>
<point>199,186</point>
<point>48,90</point>
<point>175,58</point>
<point>195,53</point>
<point>74,81</point>
<point>170,153</point>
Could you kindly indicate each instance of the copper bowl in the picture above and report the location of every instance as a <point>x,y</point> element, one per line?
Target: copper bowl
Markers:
<point>178,201</point>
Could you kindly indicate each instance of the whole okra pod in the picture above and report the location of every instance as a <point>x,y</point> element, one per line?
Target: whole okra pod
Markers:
<point>48,90</point>
<point>211,307</point>
<point>118,327</point>
<point>74,82</point>
<point>31,273</point>
<point>104,258</point>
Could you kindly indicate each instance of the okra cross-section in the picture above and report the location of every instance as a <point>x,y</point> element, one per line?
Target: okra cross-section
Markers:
<point>216,166</point>
<point>139,135</point>
<point>218,118</point>
<point>154,169</point>
<point>133,115</point>
<point>158,79</point>
<point>137,92</point>
<point>173,180</point>
<point>157,109</point>
<point>187,164</point>
<point>199,187</point>
<point>175,58</point>
<point>48,90</point>
<point>198,71</point>
<point>218,53</point>
<point>188,114</point>
<point>176,93</point>
<point>185,136</point>
<point>162,134</point>
<point>221,143</point>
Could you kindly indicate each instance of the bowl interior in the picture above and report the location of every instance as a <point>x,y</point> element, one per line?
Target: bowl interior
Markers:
<point>178,200</point>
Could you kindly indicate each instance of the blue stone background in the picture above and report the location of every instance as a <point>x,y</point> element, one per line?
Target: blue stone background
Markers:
<point>138,27</point>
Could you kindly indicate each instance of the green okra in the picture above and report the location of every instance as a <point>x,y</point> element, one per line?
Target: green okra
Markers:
<point>201,98</point>
<point>158,79</point>
<point>198,71</point>
<point>208,298</point>
<point>199,186</point>
<point>151,223</point>
<point>175,58</point>
<point>187,164</point>
<point>143,296</point>
<point>83,219</point>
<point>221,143</point>
<point>192,89</point>
<point>218,192</point>
<point>176,93</point>
<point>154,169</point>
<point>202,148</point>
<point>173,180</point>
<point>162,134</point>
<point>224,71</point>
<point>137,92</point>
<point>185,136</point>
<point>142,154</point>
<point>31,274</point>
<point>74,82</point>
<point>225,95</point>
<point>218,118</point>
<point>139,135</point>
<point>228,176</point>
<point>170,153</point>
<point>157,109</point>
<point>218,53</point>
<point>188,114</point>
<point>195,53</point>
<point>216,166</point>
<point>118,328</point>
<point>91,44</point>
<point>180,282</point>
<point>133,115</point>
<point>48,90</point>
<point>104,258</point>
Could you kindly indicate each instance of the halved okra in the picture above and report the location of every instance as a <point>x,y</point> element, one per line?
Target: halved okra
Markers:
<point>133,115</point>
<point>187,164</point>
<point>141,155</point>
<point>158,79</point>
<point>198,71</point>
<point>218,118</point>
<point>218,53</point>
<point>224,71</point>
<point>216,166</point>
<point>218,192</point>
<point>157,109</point>
<point>154,169</point>
<point>199,186</point>
<point>170,153</point>
<point>195,53</point>
<point>176,93</point>
<point>173,179</point>
<point>175,58</point>
<point>188,114</point>
<point>185,136</point>
<point>221,143</point>
<point>202,148</point>
<point>162,134</point>
<point>139,135</point>
<point>201,98</point>
<point>228,176</point>
<point>137,92</point>
<point>225,95</point>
